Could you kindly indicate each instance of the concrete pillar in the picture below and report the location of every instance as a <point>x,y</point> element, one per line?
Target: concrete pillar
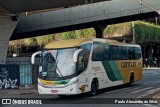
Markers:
<point>7,26</point>
<point>99,28</point>
<point>150,55</point>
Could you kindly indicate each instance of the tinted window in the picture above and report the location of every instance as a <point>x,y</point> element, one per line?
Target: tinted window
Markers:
<point>86,47</point>
<point>138,52</point>
<point>83,58</point>
<point>115,52</point>
<point>124,53</point>
<point>107,52</point>
<point>131,53</point>
<point>81,66</point>
<point>97,51</point>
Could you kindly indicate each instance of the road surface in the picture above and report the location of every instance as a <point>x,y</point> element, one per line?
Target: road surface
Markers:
<point>148,87</point>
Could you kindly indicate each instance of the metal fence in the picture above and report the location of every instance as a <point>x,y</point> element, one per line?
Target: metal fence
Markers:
<point>25,74</point>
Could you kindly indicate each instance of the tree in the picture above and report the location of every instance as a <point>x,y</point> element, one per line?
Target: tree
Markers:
<point>43,40</point>
<point>69,35</point>
<point>15,44</point>
<point>29,42</point>
<point>84,33</point>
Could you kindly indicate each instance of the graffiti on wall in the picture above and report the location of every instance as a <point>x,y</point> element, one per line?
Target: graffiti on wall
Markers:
<point>7,79</point>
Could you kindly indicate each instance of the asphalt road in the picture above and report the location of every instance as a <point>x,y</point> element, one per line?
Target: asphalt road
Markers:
<point>148,87</point>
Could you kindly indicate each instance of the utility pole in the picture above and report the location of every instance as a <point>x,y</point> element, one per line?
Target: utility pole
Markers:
<point>133,33</point>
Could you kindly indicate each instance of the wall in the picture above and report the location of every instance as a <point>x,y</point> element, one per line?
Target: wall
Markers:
<point>9,76</point>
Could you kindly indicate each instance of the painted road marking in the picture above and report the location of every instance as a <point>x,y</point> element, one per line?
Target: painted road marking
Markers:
<point>117,90</point>
<point>149,105</point>
<point>131,89</point>
<point>141,90</point>
<point>99,95</point>
<point>153,91</point>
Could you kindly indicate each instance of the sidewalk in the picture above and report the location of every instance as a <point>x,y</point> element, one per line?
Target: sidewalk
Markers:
<point>150,68</point>
<point>21,91</point>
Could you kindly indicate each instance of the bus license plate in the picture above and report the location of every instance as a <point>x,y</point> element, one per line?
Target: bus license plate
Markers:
<point>54,91</point>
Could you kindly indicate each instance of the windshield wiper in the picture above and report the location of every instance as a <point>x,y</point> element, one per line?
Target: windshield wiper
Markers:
<point>57,68</point>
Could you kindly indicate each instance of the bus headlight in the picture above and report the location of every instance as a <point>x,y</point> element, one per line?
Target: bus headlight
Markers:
<point>73,81</point>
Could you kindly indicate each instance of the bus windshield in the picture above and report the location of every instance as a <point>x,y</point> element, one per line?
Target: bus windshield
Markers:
<point>57,64</point>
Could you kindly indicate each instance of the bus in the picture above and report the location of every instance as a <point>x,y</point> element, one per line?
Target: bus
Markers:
<point>76,66</point>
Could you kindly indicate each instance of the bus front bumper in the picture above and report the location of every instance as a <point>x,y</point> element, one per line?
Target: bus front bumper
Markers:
<point>65,90</point>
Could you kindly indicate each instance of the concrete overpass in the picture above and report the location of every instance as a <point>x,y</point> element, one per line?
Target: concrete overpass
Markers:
<point>11,10</point>
<point>92,15</point>
<point>97,15</point>
<point>18,6</point>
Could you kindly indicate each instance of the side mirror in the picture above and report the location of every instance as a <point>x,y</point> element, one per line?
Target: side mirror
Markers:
<point>75,55</point>
<point>33,57</point>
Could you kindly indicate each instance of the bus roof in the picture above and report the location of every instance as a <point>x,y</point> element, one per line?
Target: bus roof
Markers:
<point>114,42</point>
<point>77,42</point>
<point>66,43</point>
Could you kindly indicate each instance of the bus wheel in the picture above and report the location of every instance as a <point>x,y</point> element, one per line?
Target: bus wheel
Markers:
<point>131,83</point>
<point>94,87</point>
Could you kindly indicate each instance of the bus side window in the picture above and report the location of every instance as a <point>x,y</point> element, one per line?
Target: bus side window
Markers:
<point>107,52</point>
<point>97,51</point>
<point>81,65</point>
<point>115,52</point>
<point>131,53</point>
<point>138,52</point>
<point>124,54</point>
<point>86,47</point>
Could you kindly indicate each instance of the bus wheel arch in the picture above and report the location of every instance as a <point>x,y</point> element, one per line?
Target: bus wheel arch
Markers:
<point>94,86</point>
<point>131,79</point>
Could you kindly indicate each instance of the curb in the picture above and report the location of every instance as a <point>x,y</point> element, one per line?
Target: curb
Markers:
<point>151,68</point>
<point>28,87</point>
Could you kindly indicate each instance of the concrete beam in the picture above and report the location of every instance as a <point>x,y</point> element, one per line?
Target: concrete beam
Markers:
<point>110,12</point>
<point>17,6</point>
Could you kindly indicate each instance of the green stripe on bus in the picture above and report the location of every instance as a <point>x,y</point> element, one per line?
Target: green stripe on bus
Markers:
<point>109,70</point>
<point>62,82</point>
<point>115,70</point>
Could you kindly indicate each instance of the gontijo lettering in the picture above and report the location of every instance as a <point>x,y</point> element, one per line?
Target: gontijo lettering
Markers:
<point>128,64</point>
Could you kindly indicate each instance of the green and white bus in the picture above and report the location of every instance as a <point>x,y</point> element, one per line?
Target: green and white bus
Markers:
<point>78,66</point>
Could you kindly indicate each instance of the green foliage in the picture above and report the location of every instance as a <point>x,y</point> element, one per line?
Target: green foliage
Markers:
<point>85,33</point>
<point>30,42</point>
<point>117,30</point>
<point>146,32</point>
<point>43,40</point>
<point>16,43</point>
<point>34,41</point>
<point>69,35</point>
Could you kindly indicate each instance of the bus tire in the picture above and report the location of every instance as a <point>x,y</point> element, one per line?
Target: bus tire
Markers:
<point>131,82</point>
<point>94,87</point>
